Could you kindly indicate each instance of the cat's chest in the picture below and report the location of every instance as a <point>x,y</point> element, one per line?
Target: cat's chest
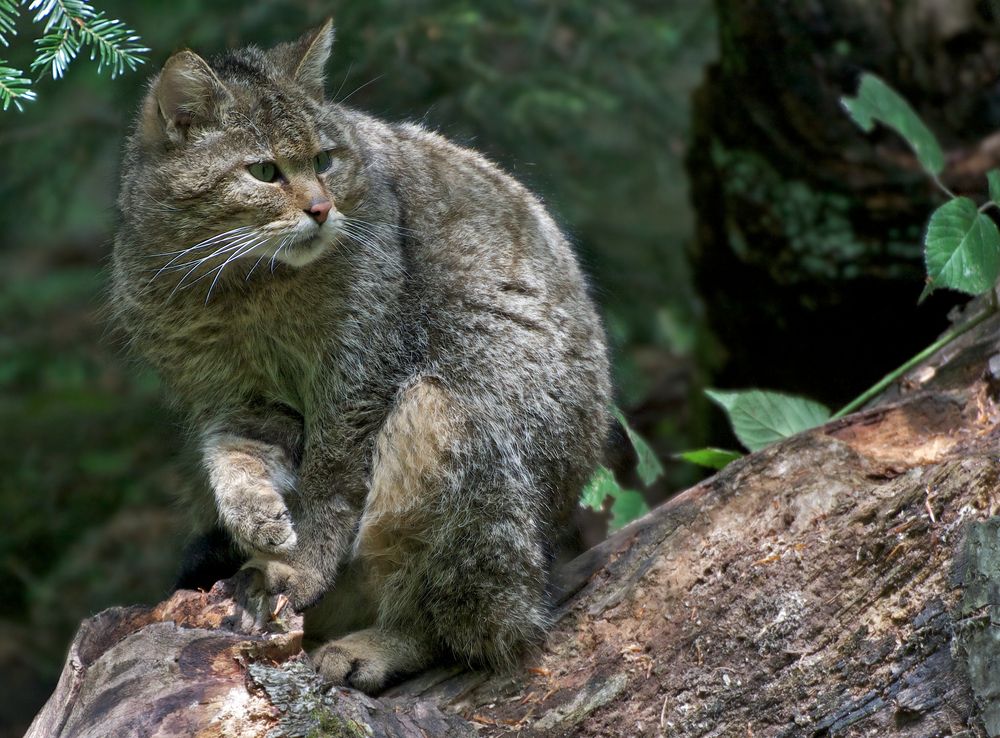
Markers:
<point>229,352</point>
<point>284,353</point>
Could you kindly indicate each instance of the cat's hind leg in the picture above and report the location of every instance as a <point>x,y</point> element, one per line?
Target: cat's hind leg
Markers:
<point>409,455</point>
<point>451,544</point>
<point>372,658</point>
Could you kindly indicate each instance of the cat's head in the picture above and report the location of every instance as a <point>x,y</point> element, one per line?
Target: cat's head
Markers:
<point>240,158</point>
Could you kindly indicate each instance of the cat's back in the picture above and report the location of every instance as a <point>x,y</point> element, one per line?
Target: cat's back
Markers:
<point>477,226</point>
<point>506,306</point>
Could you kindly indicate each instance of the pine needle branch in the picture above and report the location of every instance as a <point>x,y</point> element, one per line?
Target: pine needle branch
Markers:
<point>56,50</point>
<point>69,26</point>
<point>59,13</point>
<point>112,43</point>
<point>15,88</point>
<point>8,17</point>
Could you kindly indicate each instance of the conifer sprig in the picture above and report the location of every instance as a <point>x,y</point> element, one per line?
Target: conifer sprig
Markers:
<point>8,16</point>
<point>15,88</point>
<point>68,26</point>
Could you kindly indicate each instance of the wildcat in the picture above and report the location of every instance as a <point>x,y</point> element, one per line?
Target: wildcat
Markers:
<point>384,344</point>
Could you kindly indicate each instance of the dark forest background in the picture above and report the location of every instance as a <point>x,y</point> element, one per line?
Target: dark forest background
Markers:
<point>726,247</point>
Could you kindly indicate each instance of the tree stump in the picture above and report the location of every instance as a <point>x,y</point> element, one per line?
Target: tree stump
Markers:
<point>843,582</point>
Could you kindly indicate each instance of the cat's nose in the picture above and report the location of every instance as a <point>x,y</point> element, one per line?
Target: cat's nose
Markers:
<point>318,210</point>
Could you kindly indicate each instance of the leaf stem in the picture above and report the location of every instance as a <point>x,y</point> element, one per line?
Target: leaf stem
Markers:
<point>923,355</point>
<point>941,186</point>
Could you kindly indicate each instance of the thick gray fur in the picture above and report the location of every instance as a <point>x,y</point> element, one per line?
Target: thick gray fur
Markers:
<point>396,411</point>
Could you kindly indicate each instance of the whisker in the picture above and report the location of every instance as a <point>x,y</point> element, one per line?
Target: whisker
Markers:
<point>358,89</point>
<point>363,225</point>
<point>163,206</point>
<point>219,252</point>
<point>194,264</point>
<point>284,244</point>
<point>381,224</point>
<point>231,258</point>
<point>153,208</point>
<point>275,256</point>
<point>207,241</point>
<point>375,242</point>
<point>228,236</point>
<point>243,247</point>
<point>365,241</point>
<point>374,229</point>
<point>223,249</point>
<point>343,81</point>
<point>260,259</point>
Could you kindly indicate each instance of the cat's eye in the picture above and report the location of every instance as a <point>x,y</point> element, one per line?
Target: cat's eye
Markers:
<point>265,171</point>
<point>322,161</point>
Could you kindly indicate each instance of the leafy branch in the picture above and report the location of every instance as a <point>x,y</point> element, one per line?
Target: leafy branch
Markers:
<point>626,504</point>
<point>961,252</point>
<point>68,26</point>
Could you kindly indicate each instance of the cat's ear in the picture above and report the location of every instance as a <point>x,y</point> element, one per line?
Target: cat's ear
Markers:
<point>186,92</point>
<point>305,60</point>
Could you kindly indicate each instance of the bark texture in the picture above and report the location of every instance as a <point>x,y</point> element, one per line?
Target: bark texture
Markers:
<point>804,223</point>
<point>844,582</point>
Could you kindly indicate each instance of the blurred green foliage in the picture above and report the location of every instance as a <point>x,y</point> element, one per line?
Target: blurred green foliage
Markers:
<point>586,103</point>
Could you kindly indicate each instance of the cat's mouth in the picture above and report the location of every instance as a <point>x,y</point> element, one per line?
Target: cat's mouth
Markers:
<point>305,244</point>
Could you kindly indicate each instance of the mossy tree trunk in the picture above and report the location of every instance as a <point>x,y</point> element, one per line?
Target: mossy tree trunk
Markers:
<point>843,582</point>
<point>807,250</point>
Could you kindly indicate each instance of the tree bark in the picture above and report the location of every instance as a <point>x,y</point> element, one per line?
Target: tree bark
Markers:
<point>808,231</point>
<point>843,582</point>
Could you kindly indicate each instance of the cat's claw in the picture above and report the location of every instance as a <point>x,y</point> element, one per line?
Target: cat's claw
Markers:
<point>280,577</point>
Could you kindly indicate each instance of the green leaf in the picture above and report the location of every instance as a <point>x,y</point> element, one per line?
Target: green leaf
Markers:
<point>626,504</point>
<point>760,418</point>
<point>876,101</point>
<point>649,466</point>
<point>713,458</point>
<point>961,249</point>
<point>993,177</point>
<point>601,486</point>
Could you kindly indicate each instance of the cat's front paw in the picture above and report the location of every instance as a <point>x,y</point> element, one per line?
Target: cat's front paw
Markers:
<point>258,519</point>
<point>302,587</point>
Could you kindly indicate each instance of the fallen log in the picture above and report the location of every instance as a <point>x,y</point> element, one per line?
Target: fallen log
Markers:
<point>843,582</point>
